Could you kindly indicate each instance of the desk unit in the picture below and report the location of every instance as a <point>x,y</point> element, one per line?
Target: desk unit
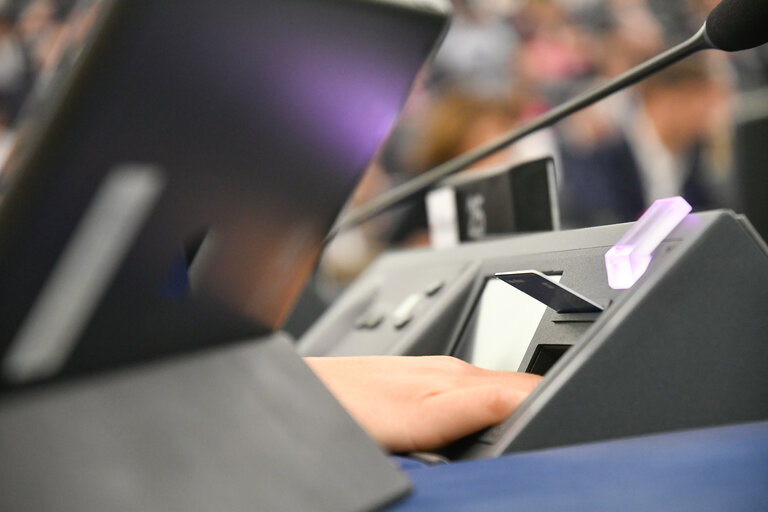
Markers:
<point>684,347</point>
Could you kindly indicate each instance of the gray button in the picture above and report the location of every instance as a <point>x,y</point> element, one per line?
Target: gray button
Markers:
<point>369,320</point>
<point>403,314</point>
<point>435,287</point>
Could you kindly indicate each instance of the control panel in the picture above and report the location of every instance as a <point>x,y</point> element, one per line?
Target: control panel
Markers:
<point>683,347</point>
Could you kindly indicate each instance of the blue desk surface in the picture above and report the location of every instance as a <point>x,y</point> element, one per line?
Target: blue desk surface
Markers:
<point>722,468</point>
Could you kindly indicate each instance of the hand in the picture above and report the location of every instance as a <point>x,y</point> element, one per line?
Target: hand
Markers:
<point>421,403</point>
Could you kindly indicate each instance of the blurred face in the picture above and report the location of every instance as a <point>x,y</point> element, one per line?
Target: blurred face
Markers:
<point>687,111</point>
<point>693,102</point>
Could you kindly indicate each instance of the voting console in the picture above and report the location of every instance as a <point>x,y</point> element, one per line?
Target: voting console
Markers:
<point>684,347</point>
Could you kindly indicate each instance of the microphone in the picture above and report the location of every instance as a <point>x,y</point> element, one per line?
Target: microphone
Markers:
<point>733,25</point>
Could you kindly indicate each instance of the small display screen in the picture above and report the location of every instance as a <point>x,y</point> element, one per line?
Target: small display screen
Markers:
<point>503,326</point>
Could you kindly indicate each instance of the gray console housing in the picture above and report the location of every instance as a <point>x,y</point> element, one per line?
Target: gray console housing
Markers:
<point>684,347</point>
<point>243,427</point>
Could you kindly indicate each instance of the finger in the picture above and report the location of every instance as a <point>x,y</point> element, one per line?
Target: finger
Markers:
<point>455,414</point>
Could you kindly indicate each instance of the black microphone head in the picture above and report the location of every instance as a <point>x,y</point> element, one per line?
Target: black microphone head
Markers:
<point>735,25</point>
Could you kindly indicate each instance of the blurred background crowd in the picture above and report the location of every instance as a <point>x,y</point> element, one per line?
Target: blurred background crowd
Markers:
<point>695,130</point>
<point>38,41</point>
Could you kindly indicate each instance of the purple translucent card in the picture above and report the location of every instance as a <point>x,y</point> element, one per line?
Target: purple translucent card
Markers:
<point>626,261</point>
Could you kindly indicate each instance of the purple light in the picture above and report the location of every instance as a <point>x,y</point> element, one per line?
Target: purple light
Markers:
<point>626,261</point>
<point>339,100</point>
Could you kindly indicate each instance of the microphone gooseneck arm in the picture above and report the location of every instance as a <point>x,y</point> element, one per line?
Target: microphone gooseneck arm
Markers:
<point>395,196</point>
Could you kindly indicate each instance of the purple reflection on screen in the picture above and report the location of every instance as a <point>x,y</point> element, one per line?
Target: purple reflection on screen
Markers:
<point>348,109</point>
<point>342,104</point>
<point>333,100</point>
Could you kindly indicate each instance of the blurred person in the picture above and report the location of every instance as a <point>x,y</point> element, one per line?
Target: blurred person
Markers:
<point>458,122</point>
<point>67,32</point>
<point>16,71</point>
<point>623,33</point>
<point>635,35</point>
<point>554,52</point>
<point>475,52</point>
<point>639,26</point>
<point>679,19</point>
<point>659,151</point>
<point>50,35</point>
<point>40,27</point>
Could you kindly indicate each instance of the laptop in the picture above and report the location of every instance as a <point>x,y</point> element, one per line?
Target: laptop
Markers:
<point>247,121</point>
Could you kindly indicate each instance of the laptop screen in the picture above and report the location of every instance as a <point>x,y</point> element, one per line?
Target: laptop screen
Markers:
<point>249,121</point>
